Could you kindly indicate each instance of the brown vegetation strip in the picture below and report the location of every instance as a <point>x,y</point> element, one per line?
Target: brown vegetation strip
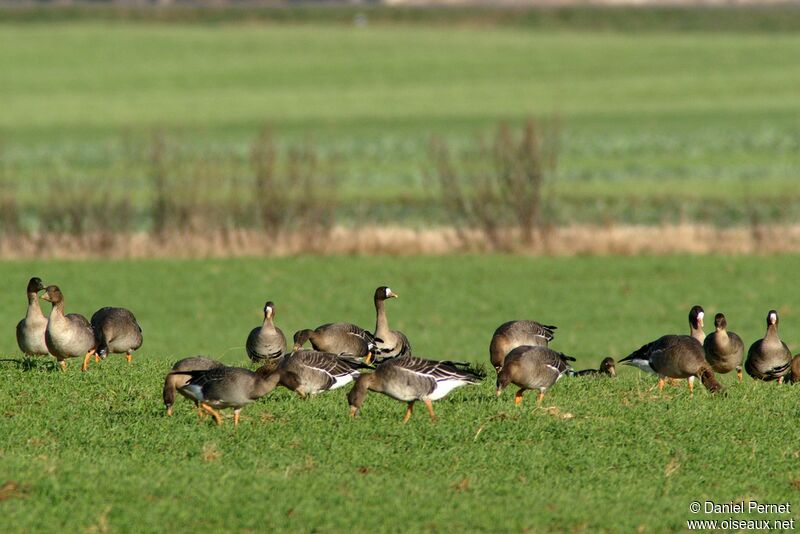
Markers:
<point>566,241</point>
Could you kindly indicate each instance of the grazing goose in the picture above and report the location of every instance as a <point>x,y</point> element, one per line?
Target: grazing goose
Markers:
<point>409,379</point>
<point>795,369</point>
<point>513,334</point>
<point>769,358</point>
<point>674,356</point>
<point>607,367</point>
<point>724,350</point>
<point>389,343</point>
<point>227,387</point>
<point>67,336</point>
<point>267,341</point>
<point>532,367</point>
<point>116,332</point>
<point>308,372</point>
<point>344,339</point>
<point>173,381</point>
<point>30,330</point>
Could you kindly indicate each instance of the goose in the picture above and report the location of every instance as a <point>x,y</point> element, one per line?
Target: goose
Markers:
<point>674,356</point>
<point>344,339</point>
<point>173,381</point>
<point>607,367</point>
<point>769,358</point>
<point>267,341</point>
<point>795,369</point>
<point>532,367</point>
<point>67,336</point>
<point>409,379</point>
<point>389,343</point>
<point>305,372</point>
<point>227,387</point>
<point>31,329</point>
<point>116,331</point>
<point>724,350</point>
<point>513,334</point>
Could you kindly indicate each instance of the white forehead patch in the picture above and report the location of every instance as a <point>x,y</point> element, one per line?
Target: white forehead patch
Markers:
<point>388,291</point>
<point>773,317</point>
<point>700,315</point>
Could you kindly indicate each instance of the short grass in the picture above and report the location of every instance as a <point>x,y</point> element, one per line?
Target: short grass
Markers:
<point>653,122</point>
<point>94,451</point>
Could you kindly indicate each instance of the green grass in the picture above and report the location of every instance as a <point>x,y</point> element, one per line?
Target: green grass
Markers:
<point>94,450</point>
<point>654,123</point>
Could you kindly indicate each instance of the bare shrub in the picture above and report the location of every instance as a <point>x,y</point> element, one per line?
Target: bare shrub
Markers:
<point>499,189</point>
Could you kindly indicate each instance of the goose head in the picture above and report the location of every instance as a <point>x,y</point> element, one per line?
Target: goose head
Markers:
<point>35,285</point>
<point>53,295</point>
<point>772,318</point>
<point>269,310</point>
<point>608,366</point>
<point>300,338</point>
<point>384,293</point>
<point>720,322</point>
<point>696,315</point>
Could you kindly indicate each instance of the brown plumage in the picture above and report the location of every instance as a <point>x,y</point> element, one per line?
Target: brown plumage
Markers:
<point>31,329</point>
<point>724,350</point>
<point>795,369</point>
<point>343,339</point>
<point>532,367</point>
<point>389,343</point>
<point>174,381</point>
<point>267,341</point>
<point>67,336</point>
<point>116,332</point>
<point>513,334</point>
<point>607,368</point>
<point>409,379</point>
<point>769,358</point>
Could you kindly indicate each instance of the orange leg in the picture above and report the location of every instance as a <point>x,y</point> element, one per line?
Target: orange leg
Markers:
<point>214,413</point>
<point>129,357</point>
<point>236,417</point>
<point>85,366</point>
<point>96,358</point>
<point>429,404</point>
<point>661,383</point>
<point>62,364</point>
<point>518,397</point>
<point>691,385</point>
<point>410,409</point>
<point>169,411</point>
<point>539,398</point>
<point>739,374</point>
<point>200,412</point>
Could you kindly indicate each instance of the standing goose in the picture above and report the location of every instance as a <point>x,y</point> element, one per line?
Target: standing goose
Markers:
<point>513,334</point>
<point>674,356</point>
<point>409,379</point>
<point>607,367</point>
<point>174,381</point>
<point>389,343</point>
<point>267,341</point>
<point>116,331</point>
<point>31,329</point>
<point>724,350</point>
<point>67,336</point>
<point>769,358</point>
<point>532,367</point>
<point>344,339</point>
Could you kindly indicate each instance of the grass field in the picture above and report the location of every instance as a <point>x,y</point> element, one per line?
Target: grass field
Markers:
<point>94,452</point>
<point>657,125</point>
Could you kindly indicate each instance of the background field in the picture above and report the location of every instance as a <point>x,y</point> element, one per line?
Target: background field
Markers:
<point>94,451</point>
<point>661,122</point>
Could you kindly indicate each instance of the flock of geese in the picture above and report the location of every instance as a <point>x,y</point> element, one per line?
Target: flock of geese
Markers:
<point>519,352</point>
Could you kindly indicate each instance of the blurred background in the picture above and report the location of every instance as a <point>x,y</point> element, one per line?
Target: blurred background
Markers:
<point>180,128</point>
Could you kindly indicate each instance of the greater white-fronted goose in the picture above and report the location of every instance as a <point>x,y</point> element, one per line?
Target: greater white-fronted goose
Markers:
<point>532,367</point>
<point>674,356</point>
<point>389,343</point>
<point>267,341</point>
<point>409,379</point>
<point>31,329</point>
<point>308,372</point>
<point>173,381</point>
<point>343,339</point>
<point>607,368</point>
<point>724,350</point>
<point>227,387</point>
<point>67,336</point>
<point>116,331</point>
<point>696,315</point>
<point>513,334</point>
<point>795,369</point>
<point>769,358</point>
